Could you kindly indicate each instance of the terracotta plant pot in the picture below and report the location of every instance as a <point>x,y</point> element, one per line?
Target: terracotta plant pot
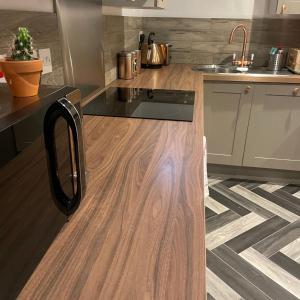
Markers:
<point>23,77</point>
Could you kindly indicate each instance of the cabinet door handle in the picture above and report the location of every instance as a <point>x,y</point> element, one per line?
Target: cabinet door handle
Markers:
<point>283,8</point>
<point>65,109</point>
<point>295,91</point>
<point>247,89</point>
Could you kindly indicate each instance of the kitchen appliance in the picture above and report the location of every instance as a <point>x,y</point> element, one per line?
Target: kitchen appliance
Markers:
<point>293,60</point>
<point>80,25</point>
<point>42,179</point>
<point>166,53</point>
<point>143,103</point>
<point>151,52</point>
<point>126,65</point>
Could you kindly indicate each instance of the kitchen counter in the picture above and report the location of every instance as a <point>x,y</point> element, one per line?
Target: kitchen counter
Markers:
<point>284,77</point>
<point>139,233</point>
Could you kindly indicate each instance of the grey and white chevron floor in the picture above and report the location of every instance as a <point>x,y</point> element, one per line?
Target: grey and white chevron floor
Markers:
<point>252,240</point>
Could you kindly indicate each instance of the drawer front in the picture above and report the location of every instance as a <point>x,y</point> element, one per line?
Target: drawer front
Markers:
<point>229,87</point>
<point>288,90</point>
<point>124,3</point>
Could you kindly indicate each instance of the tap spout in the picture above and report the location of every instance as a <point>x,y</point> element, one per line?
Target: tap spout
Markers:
<point>244,29</point>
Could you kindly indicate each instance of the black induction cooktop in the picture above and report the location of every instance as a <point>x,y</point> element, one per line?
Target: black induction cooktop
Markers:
<point>143,103</point>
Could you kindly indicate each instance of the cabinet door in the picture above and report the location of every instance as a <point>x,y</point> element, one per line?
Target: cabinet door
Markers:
<point>288,7</point>
<point>226,115</point>
<point>136,3</point>
<point>273,139</point>
<point>124,3</point>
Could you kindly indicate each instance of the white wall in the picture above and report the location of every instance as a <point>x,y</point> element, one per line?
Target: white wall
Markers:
<point>27,5</point>
<point>244,9</point>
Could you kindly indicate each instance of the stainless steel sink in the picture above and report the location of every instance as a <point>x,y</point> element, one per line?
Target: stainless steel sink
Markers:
<point>214,69</point>
<point>221,69</point>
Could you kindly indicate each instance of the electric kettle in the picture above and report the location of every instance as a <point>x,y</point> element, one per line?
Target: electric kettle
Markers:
<point>152,56</point>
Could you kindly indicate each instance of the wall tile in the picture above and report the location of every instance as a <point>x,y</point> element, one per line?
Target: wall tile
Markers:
<point>132,27</point>
<point>176,24</point>
<point>205,41</point>
<point>202,58</point>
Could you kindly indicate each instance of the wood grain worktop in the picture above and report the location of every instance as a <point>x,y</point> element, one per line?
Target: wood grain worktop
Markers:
<point>139,233</point>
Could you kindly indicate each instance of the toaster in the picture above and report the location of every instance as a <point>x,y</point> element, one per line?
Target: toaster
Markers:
<point>293,60</point>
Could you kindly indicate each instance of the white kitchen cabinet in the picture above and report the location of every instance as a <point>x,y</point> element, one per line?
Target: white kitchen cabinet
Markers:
<point>287,7</point>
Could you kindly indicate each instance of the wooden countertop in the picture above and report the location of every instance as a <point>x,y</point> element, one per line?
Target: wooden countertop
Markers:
<point>139,233</point>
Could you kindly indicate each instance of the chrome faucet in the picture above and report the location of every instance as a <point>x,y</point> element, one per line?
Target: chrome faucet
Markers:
<point>242,62</point>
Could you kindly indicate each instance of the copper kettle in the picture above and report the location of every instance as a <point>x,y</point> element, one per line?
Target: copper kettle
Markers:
<point>152,56</point>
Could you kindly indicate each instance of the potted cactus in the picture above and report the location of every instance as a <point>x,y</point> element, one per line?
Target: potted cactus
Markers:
<point>21,70</point>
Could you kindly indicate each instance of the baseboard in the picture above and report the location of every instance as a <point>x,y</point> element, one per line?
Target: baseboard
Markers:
<point>276,176</point>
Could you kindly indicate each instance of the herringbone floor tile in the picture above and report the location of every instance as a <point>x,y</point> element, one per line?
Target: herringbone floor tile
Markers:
<point>252,240</point>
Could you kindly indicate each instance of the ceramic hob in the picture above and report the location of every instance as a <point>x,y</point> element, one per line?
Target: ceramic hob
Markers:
<point>175,105</point>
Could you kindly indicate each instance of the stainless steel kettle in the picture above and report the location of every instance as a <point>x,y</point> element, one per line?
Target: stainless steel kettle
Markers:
<point>152,56</point>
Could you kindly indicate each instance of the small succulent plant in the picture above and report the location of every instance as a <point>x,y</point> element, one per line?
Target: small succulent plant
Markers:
<point>22,48</point>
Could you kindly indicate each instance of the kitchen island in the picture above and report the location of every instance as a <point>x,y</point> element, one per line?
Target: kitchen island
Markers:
<point>139,233</point>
